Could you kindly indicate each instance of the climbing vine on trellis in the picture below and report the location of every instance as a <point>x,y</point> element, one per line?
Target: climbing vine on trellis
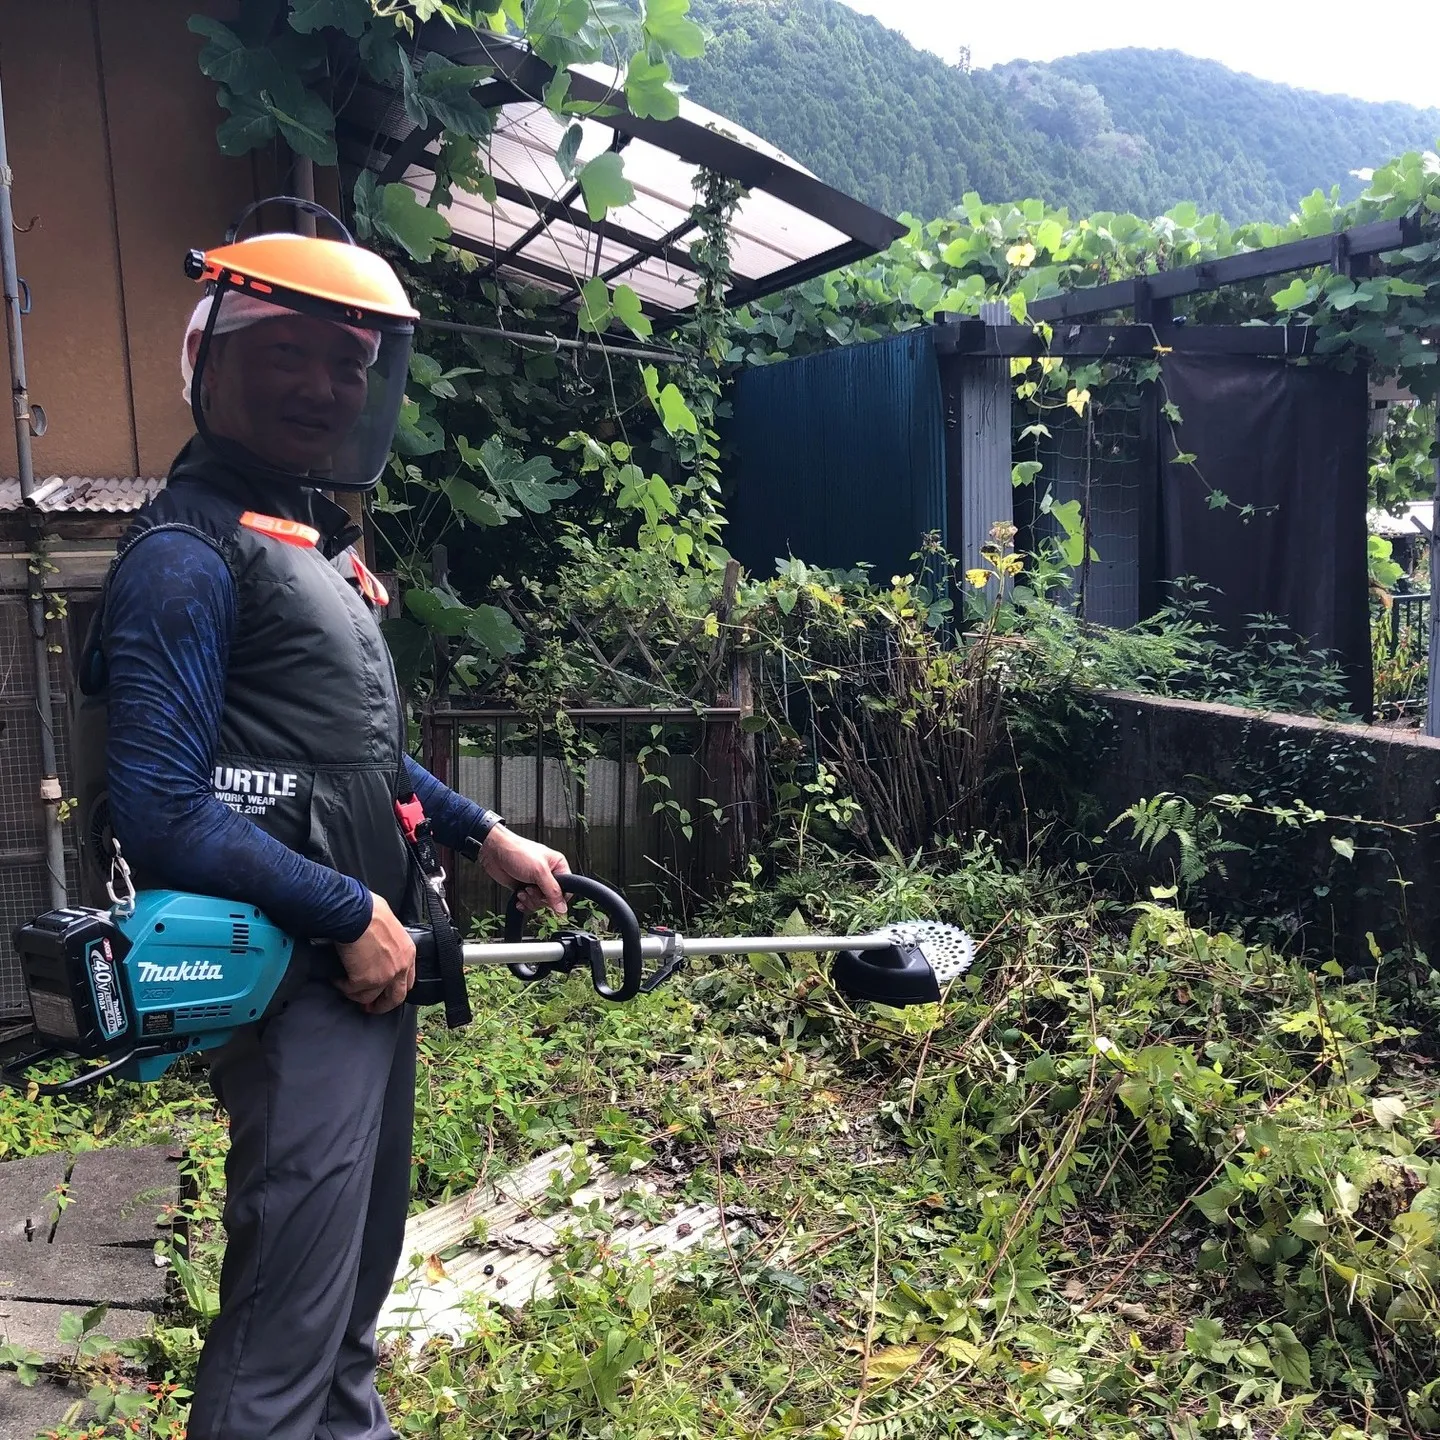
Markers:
<point>511,456</point>
<point>1018,253</point>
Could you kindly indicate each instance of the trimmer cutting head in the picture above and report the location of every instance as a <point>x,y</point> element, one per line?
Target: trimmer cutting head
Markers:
<point>918,958</point>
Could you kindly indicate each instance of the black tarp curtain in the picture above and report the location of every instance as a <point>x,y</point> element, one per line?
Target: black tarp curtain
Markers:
<point>1290,440</point>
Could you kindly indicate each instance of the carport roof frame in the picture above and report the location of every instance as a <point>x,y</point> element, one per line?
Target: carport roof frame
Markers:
<point>542,231</point>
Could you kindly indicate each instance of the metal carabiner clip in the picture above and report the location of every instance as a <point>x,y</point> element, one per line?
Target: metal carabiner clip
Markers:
<point>123,903</point>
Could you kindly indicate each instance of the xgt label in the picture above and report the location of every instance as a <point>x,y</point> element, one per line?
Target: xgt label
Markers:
<point>105,984</point>
<point>253,792</point>
<point>151,974</point>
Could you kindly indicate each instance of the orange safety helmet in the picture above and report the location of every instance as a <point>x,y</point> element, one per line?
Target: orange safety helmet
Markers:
<point>296,359</point>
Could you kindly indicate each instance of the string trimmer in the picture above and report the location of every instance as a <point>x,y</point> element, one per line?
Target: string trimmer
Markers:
<point>170,974</point>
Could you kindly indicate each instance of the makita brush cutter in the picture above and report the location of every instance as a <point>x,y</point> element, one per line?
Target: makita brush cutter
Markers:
<point>164,974</point>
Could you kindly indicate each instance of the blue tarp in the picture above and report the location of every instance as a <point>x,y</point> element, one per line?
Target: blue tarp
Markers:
<point>839,458</point>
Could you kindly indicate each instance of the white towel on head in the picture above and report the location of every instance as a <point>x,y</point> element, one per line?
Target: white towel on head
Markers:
<point>239,312</point>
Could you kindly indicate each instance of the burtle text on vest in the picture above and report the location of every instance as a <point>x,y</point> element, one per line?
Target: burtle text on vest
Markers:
<point>252,792</point>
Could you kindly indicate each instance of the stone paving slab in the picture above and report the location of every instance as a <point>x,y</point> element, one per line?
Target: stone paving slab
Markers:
<point>116,1196</point>
<point>27,1195</point>
<point>37,1326</point>
<point>28,1410</point>
<point>80,1274</point>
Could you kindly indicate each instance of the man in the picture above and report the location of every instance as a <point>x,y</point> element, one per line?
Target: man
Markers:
<point>255,744</point>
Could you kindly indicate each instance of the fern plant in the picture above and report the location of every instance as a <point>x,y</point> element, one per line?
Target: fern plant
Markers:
<point>1197,834</point>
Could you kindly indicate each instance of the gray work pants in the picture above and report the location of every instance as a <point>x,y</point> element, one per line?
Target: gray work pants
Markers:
<point>321,1099</point>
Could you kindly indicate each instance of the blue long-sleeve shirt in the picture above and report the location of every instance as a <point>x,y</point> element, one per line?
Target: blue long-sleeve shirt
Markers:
<point>170,617</point>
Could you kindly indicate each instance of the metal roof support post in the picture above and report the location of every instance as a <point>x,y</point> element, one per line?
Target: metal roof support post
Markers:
<point>34,566</point>
<point>987,497</point>
<point>1432,689</point>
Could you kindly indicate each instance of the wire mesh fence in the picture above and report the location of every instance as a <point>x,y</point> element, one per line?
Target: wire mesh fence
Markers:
<point>1099,462</point>
<point>24,880</point>
<point>1400,654</point>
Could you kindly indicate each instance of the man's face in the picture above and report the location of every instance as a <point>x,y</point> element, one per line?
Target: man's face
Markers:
<point>290,390</point>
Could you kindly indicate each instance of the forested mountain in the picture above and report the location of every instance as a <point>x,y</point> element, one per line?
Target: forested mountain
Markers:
<point>1113,130</point>
<point>1249,147</point>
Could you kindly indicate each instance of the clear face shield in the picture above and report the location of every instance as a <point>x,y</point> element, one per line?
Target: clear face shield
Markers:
<point>306,390</point>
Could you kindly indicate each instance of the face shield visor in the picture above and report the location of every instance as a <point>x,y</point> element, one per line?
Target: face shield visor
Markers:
<point>304,389</point>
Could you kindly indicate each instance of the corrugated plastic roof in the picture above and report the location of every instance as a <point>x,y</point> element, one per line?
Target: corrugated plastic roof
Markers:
<point>84,494</point>
<point>789,226</point>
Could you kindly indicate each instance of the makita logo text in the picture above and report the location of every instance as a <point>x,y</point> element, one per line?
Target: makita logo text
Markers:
<point>231,780</point>
<point>151,974</point>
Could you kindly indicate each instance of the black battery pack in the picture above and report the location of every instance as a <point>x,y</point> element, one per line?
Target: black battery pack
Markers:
<point>73,964</point>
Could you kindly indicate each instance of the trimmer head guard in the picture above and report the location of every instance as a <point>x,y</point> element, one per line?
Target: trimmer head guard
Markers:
<point>920,958</point>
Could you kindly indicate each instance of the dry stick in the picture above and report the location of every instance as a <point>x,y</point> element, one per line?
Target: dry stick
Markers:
<point>775,1398</point>
<point>1385,1361</point>
<point>919,1075</point>
<point>1042,1185</point>
<point>869,1330</point>
<point>725,1236</point>
<point>1119,1155</point>
<point>930,1035</point>
<point>780,1230</point>
<point>1175,1214</point>
<point>1062,1151</point>
<point>993,931</point>
<point>823,1243</point>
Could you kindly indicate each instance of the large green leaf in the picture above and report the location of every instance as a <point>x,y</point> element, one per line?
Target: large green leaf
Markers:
<point>558,33</point>
<point>1310,1225</point>
<point>595,308</point>
<point>925,292</point>
<point>381,54</point>
<point>628,312</point>
<point>527,481</point>
<point>347,15</point>
<point>447,91</point>
<point>667,24</point>
<point>228,61</point>
<point>415,111</point>
<point>1291,1360</point>
<point>249,125</point>
<point>1203,1336</point>
<point>648,92</point>
<point>403,219</point>
<point>669,404</point>
<point>475,505</point>
<point>438,609</point>
<point>675,414</point>
<point>411,649</point>
<point>568,149</point>
<point>604,184</point>
<point>417,434</point>
<point>1294,295</point>
<point>1214,1203</point>
<point>493,628</point>
<point>309,128</point>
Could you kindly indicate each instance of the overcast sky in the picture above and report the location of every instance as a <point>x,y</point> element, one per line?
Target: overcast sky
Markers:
<point>1376,52</point>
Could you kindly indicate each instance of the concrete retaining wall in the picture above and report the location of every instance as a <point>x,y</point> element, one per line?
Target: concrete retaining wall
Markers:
<point>1294,875</point>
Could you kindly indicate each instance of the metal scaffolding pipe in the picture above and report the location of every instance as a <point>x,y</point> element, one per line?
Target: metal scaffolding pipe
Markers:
<point>556,342</point>
<point>35,587</point>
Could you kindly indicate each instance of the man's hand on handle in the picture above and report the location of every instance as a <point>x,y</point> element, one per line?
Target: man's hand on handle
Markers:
<point>525,866</point>
<point>380,965</point>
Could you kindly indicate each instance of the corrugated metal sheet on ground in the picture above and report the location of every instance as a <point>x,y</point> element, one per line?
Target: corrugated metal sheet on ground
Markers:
<point>496,1246</point>
<point>840,458</point>
<point>88,494</point>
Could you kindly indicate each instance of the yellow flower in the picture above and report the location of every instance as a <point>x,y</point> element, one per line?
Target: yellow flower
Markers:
<point>1022,257</point>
